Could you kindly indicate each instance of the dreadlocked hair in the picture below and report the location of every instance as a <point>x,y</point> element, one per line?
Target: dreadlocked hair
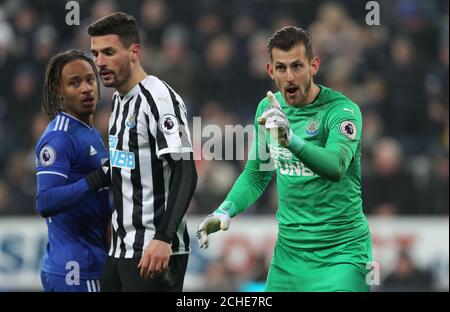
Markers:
<point>51,102</point>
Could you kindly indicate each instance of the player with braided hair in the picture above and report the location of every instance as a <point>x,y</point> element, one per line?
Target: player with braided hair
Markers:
<point>72,175</point>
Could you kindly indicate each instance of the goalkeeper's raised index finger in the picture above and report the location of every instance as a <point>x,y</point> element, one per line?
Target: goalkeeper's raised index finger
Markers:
<point>273,101</point>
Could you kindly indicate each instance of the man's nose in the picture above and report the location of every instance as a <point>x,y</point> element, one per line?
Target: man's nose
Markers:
<point>86,87</point>
<point>289,75</point>
<point>99,60</point>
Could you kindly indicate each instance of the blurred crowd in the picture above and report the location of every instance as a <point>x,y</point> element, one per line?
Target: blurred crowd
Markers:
<point>213,53</point>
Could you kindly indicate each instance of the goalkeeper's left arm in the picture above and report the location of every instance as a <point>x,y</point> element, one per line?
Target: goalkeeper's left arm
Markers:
<point>248,187</point>
<point>246,190</point>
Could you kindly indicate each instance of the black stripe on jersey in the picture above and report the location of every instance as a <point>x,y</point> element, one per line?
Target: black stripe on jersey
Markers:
<point>176,108</point>
<point>175,239</point>
<point>114,174</point>
<point>118,206</point>
<point>117,183</point>
<point>133,145</point>
<point>186,239</point>
<point>159,198</point>
<point>160,139</point>
<point>114,127</point>
<point>176,104</point>
<point>114,239</point>
<point>113,101</point>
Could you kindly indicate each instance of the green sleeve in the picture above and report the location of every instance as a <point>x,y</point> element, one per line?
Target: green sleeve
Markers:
<point>344,134</point>
<point>255,177</point>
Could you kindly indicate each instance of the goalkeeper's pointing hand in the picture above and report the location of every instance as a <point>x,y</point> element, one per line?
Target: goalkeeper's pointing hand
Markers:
<point>218,220</point>
<point>275,120</point>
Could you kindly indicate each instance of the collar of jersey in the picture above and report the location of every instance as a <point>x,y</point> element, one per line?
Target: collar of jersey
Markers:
<point>135,90</point>
<point>82,122</point>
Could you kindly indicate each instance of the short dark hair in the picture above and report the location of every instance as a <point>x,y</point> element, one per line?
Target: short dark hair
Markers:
<point>288,37</point>
<point>118,23</point>
<point>51,104</point>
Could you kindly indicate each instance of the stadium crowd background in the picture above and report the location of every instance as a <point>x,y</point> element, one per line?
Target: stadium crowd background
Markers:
<point>214,54</point>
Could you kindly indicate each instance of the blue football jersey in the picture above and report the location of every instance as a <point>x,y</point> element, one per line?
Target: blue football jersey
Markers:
<point>67,151</point>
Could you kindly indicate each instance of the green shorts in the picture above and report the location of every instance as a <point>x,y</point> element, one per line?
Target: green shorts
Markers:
<point>340,268</point>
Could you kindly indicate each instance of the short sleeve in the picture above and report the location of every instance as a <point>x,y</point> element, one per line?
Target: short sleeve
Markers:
<point>172,132</point>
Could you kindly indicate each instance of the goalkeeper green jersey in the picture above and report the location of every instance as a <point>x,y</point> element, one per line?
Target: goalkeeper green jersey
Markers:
<point>319,186</point>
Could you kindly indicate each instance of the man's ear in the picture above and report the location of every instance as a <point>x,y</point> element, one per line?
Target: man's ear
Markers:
<point>135,50</point>
<point>269,69</point>
<point>315,64</point>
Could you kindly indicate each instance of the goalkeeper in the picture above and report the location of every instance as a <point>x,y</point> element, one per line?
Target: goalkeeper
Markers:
<point>313,134</point>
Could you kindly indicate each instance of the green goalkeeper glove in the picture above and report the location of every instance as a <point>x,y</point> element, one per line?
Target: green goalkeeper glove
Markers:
<point>218,220</point>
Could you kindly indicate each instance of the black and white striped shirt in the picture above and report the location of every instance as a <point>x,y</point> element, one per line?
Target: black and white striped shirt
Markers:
<point>145,124</point>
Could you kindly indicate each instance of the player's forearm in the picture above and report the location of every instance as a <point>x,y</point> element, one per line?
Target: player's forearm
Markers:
<point>182,186</point>
<point>61,198</point>
<point>247,189</point>
<point>330,162</point>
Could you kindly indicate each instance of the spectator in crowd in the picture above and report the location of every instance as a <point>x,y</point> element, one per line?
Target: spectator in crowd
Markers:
<point>6,207</point>
<point>407,276</point>
<point>393,184</point>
